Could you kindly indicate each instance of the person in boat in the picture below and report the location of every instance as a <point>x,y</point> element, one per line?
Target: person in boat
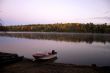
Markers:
<point>53,52</point>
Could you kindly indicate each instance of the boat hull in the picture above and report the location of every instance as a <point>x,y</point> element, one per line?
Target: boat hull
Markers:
<point>46,57</point>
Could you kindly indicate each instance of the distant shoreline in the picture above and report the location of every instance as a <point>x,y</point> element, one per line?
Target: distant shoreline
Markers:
<point>56,32</point>
<point>68,27</point>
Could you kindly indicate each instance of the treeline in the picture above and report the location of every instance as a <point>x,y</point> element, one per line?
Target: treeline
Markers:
<point>3,28</point>
<point>59,27</point>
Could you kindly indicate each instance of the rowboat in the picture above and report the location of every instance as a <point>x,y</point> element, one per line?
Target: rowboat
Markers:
<point>45,56</point>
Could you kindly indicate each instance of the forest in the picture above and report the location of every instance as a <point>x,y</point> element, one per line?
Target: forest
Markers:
<point>60,27</point>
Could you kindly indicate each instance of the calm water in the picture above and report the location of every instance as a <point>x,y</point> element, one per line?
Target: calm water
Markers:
<point>72,48</point>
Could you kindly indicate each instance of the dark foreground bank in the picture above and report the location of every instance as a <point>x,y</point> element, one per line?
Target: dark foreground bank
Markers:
<point>28,66</point>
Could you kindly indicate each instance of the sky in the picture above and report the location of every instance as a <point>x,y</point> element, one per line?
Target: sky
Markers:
<point>15,12</point>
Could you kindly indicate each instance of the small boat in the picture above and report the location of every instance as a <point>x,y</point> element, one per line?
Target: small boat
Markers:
<point>45,56</point>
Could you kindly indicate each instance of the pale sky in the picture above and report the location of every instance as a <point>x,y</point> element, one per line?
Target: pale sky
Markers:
<point>14,12</point>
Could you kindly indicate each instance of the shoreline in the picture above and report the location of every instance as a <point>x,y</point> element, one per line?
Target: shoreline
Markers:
<point>67,33</point>
<point>28,66</point>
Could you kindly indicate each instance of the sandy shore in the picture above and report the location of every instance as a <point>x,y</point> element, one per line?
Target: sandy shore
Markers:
<point>27,66</point>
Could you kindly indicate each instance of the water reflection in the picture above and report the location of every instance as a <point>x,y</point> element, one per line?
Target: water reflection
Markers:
<point>68,37</point>
<point>72,48</point>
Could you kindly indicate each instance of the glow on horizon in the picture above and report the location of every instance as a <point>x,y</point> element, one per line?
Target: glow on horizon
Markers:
<point>54,11</point>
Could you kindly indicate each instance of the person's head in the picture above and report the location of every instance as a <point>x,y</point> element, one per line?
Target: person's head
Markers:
<point>53,50</point>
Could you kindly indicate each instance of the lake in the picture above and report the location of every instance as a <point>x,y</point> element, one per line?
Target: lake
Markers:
<point>72,48</point>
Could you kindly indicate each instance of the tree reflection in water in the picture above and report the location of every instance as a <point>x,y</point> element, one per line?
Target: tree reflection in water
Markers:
<point>68,37</point>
